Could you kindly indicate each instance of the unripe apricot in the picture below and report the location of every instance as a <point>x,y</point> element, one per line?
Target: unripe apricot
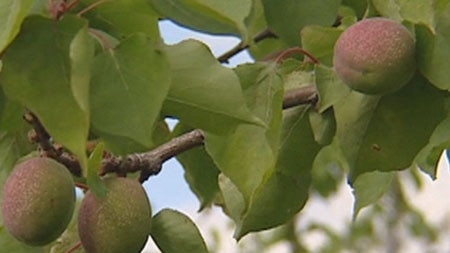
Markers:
<point>375,56</point>
<point>38,201</point>
<point>118,222</point>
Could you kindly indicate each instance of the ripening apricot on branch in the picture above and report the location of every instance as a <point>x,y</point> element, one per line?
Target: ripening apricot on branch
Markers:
<point>375,56</point>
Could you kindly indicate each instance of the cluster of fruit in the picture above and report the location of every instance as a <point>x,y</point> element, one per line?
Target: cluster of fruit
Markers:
<point>39,200</point>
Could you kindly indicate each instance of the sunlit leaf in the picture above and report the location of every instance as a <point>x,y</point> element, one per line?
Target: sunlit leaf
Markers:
<point>129,85</point>
<point>433,50</point>
<point>319,41</point>
<point>219,17</point>
<point>122,18</point>
<point>415,11</point>
<point>203,93</point>
<point>286,190</point>
<point>330,88</point>
<point>12,14</point>
<point>288,19</point>
<point>247,154</point>
<point>174,232</point>
<point>37,72</point>
<point>96,185</point>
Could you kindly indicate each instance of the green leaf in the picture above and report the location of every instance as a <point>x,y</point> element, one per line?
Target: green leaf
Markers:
<point>37,72</point>
<point>285,192</point>
<point>330,87</point>
<point>129,85</point>
<point>323,126</point>
<point>415,11</point>
<point>247,154</point>
<point>433,48</point>
<point>428,158</point>
<point>96,185</point>
<point>328,169</point>
<point>174,232</point>
<point>288,19</point>
<point>203,93</point>
<point>376,134</point>
<point>217,17</point>
<point>319,41</point>
<point>369,187</point>
<point>200,171</point>
<point>122,18</point>
<point>14,142</point>
<point>358,6</point>
<point>12,14</point>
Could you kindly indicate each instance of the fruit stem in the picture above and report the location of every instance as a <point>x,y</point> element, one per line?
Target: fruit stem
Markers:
<point>293,50</point>
<point>74,247</point>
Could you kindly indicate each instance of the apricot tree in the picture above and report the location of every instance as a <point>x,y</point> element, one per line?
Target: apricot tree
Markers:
<point>89,84</point>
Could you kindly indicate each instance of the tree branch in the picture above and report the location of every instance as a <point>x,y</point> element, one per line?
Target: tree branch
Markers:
<point>47,148</point>
<point>148,163</point>
<point>224,58</point>
<point>300,96</point>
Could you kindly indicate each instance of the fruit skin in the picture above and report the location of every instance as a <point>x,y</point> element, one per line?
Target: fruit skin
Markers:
<point>38,201</point>
<point>119,222</point>
<point>375,56</point>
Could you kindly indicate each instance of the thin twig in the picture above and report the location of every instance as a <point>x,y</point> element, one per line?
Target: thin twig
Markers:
<point>224,58</point>
<point>74,247</point>
<point>91,7</point>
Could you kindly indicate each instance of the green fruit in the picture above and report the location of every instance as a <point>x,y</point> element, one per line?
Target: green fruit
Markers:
<point>119,222</point>
<point>375,56</point>
<point>38,201</point>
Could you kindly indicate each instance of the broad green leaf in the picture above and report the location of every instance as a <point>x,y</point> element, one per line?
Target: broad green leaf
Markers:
<point>433,49</point>
<point>217,17</point>
<point>428,157</point>
<point>414,11</point>
<point>203,93</point>
<point>247,154</point>
<point>328,169</point>
<point>232,201</point>
<point>199,170</point>
<point>122,18</point>
<point>330,88</point>
<point>174,232</point>
<point>256,24</point>
<point>14,141</point>
<point>288,19</point>
<point>94,182</point>
<point>323,126</point>
<point>369,187</point>
<point>376,133</point>
<point>12,14</point>
<point>287,189</point>
<point>129,85</point>
<point>319,41</point>
<point>358,6</point>
<point>43,70</point>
